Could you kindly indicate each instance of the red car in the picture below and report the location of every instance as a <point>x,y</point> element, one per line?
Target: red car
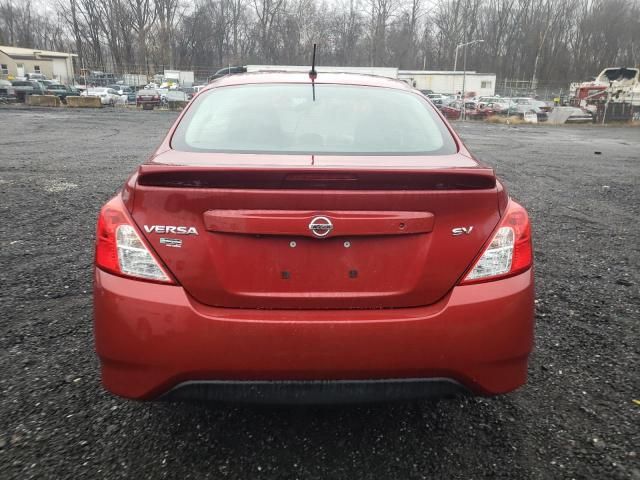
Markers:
<point>452,111</point>
<point>148,98</point>
<point>299,241</point>
<point>480,112</point>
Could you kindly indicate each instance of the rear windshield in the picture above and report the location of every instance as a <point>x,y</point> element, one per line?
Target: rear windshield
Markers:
<point>284,118</point>
<point>147,92</point>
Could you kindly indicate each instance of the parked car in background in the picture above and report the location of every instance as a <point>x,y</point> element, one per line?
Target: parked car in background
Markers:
<point>500,106</point>
<point>479,111</point>
<point>227,71</point>
<point>148,98</point>
<point>163,94</point>
<point>189,91</point>
<point>128,93</point>
<point>7,91</point>
<point>452,111</point>
<point>38,87</point>
<point>521,105</point>
<point>470,103</point>
<point>473,110</point>
<point>176,96</point>
<point>35,76</point>
<point>73,91</point>
<point>58,90</point>
<point>485,100</point>
<point>543,106</point>
<point>46,83</point>
<point>24,88</point>
<point>438,99</point>
<point>107,96</point>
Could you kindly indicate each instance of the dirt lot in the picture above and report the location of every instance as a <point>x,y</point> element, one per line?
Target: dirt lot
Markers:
<point>575,419</point>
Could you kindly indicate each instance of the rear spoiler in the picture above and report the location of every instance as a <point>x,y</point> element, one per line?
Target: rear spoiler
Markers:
<point>315,178</point>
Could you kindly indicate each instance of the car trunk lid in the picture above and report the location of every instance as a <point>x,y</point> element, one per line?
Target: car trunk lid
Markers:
<point>318,233</point>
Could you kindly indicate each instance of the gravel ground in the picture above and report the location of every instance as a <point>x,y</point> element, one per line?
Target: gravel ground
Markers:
<point>575,419</point>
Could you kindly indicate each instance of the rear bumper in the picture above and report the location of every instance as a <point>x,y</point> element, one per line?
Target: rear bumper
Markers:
<point>152,339</point>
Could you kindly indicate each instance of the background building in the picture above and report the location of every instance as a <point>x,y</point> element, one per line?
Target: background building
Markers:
<point>482,84</point>
<point>16,62</point>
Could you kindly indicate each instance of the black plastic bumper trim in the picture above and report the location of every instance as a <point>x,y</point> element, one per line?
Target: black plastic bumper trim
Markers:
<point>311,392</point>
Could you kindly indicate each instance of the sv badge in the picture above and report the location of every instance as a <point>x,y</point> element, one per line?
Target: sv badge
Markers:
<point>461,230</point>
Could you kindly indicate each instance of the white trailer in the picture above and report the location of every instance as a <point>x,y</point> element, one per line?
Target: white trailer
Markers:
<point>181,77</point>
<point>481,84</point>
<point>379,71</point>
<point>134,80</point>
<point>450,82</point>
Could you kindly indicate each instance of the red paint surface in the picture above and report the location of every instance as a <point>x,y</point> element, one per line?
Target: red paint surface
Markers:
<point>150,337</point>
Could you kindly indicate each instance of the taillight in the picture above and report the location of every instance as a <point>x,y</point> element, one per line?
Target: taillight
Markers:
<point>510,250</point>
<point>121,250</point>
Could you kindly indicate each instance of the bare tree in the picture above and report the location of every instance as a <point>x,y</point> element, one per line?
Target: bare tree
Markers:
<point>143,15</point>
<point>267,13</point>
<point>166,11</point>
<point>540,41</point>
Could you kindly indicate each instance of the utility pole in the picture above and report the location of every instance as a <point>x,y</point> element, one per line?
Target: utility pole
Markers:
<point>464,85</point>
<point>606,105</point>
<point>464,72</point>
<point>455,60</point>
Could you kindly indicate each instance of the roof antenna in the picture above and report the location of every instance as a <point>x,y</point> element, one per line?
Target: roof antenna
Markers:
<point>312,73</point>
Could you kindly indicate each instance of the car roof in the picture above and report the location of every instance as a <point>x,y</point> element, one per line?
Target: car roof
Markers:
<point>300,77</point>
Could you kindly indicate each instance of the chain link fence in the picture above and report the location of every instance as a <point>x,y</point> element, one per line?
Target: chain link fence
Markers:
<point>101,73</point>
<point>548,91</point>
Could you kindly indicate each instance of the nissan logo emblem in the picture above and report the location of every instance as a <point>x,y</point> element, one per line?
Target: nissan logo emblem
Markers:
<point>320,226</point>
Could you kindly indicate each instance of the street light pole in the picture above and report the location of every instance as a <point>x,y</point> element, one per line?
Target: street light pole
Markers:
<point>455,69</point>
<point>455,60</point>
<point>464,68</point>
<point>464,84</point>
